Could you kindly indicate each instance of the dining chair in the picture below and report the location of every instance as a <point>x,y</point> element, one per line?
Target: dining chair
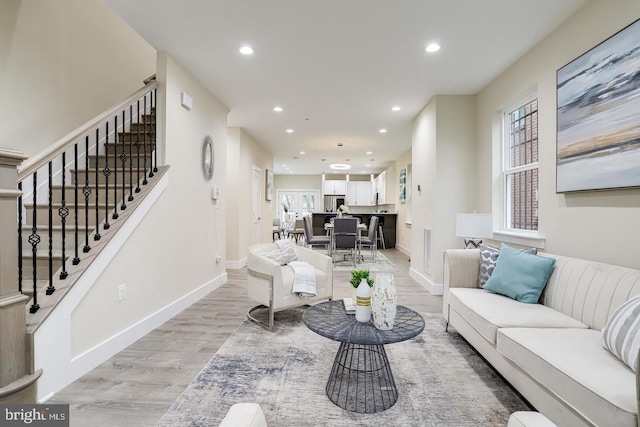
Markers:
<point>298,230</point>
<point>380,233</point>
<point>276,229</point>
<point>370,239</point>
<point>345,236</point>
<point>311,239</point>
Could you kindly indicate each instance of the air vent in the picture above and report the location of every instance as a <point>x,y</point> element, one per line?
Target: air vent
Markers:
<point>427,250</point>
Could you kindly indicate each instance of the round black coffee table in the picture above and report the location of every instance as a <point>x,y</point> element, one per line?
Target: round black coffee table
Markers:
<point>361,378</point>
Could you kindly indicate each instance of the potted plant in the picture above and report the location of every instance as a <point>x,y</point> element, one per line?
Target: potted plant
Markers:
<point>358,275</point>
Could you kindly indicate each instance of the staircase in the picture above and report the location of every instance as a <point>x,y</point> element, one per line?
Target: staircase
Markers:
<point>98,190</point>
<point>72,199</point>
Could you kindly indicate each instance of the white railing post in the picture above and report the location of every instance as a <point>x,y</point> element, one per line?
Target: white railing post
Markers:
<point>16,384</point>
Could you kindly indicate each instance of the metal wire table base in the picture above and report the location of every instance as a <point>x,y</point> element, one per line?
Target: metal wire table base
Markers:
<point>361,379</point>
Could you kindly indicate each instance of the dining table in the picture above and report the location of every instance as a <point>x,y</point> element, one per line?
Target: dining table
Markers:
<point>328,226</point>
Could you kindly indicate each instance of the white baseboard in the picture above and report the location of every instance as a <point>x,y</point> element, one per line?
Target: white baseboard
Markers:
<point>433,288</point>
<point>236,265</point>
<point>91,358</point>
<point>404,250</point>
<point>78,366</point>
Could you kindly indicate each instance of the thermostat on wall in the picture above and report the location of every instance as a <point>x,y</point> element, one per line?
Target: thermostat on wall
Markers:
<point>215,192</point>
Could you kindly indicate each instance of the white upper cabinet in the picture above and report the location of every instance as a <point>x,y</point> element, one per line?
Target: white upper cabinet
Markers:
<point>379,187</point>
<point>359,193</point>
<point>335,187</point>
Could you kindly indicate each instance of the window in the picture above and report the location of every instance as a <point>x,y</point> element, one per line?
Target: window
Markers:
<point>520,166</point>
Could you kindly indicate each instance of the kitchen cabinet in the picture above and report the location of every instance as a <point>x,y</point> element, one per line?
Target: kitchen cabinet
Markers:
<point>334,187</point>
<point>359,193</point>
<point>379,188</point>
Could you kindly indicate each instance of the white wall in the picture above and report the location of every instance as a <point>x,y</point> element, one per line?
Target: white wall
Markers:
<point>599,226</point>
<point>403,231</point>
<point>245,153</point>
<point>61,63</point>
<point>443,159</point>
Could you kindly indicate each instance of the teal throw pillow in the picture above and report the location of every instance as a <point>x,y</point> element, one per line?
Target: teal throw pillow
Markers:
<point>520,275</point>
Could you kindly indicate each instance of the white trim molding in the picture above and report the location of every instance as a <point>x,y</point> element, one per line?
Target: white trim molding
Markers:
<point>236,265</point>
<point>433,288</point>
<point>523,238</point>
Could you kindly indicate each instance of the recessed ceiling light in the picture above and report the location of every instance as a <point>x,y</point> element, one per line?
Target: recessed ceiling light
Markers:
<point>339,166</point>
<point>246,50</point>
<point>433,47</point>
<point>368,166</point>
<point>382,131</point>
<point>289,130</point>
<point>284,166</point>
<point>302,152</point>
<point>277,109</point>
<point>369,152</point>
<point>395,108</point>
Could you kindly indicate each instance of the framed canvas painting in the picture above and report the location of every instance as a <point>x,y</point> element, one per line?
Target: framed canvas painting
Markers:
<point>598,127</point>
<point>403,186</point>
<point>268,194</point>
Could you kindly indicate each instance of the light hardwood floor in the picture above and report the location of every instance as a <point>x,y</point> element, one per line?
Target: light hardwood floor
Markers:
<point>137,385</point>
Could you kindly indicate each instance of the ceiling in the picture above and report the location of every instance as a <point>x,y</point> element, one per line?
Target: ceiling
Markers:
<point>337,67</point>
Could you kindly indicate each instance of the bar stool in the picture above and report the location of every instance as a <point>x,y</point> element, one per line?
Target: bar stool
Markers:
<point>380,237</point>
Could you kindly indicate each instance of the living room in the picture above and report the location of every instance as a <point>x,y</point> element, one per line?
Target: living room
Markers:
<point>455,140</point>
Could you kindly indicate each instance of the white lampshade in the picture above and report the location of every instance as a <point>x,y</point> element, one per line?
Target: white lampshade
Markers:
<point>474,225</point>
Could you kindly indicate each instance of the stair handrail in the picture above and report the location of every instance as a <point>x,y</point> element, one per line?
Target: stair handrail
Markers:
<point>36,162</point>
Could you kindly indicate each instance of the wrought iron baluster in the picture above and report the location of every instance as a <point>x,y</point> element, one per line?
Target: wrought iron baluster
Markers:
<point>86,191</point>
<point>123,159</point>
<point>50,288</point>
<point>20,237</point>
<point>64,212</point>
<point>130,153</point>
<point>76,258</point>
<point>34,239</point>
<point>138,152</point>
<point>106,172</point>
<point>152,134</point>
<point>115,169</point>
<point>144,145</point>
<point>97,235</point>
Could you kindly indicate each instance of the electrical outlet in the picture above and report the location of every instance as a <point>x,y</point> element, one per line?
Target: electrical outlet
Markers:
<point>122,292</point>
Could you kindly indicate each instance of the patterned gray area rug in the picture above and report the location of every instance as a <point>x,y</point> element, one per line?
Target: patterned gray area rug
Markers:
<point>441,381</point>
<point>382,263</point>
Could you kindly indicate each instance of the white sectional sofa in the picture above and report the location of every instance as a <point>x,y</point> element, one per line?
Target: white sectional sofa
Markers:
<point>551,352</point>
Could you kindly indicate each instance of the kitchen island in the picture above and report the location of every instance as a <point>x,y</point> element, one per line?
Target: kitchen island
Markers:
<point>388,229</point>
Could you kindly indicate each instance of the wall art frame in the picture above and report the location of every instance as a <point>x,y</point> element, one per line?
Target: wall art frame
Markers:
<point>598,127</point>
<point>403,186</point>
<point>268,193</point>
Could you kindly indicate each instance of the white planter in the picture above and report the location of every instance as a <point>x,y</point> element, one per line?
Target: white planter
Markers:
<point>384,301</point>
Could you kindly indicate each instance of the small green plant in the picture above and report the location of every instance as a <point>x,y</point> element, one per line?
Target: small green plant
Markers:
<point>358,275</point>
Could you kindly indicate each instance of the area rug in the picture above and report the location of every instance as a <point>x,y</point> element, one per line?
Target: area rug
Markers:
<point>382,263</point>
<point>440,379</point>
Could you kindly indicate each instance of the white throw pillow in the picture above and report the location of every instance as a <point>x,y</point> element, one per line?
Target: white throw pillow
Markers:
<point>621,334</point>
<point>285,253</point>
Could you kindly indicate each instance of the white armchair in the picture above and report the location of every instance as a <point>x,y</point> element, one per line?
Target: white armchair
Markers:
<point>270,284</point>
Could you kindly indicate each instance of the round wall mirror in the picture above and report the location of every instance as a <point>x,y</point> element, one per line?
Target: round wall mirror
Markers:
<point>207,157</point>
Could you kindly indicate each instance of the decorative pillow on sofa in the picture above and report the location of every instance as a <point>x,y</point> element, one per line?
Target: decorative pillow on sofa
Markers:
<point>488,258</point>
<point>621,334</point>
<point>520,275</point>
<point>285,253</point>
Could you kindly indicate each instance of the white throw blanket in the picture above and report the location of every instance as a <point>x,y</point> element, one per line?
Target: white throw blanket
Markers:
<point>304,279</point>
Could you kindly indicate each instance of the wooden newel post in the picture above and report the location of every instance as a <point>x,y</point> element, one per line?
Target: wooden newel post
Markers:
<point>17,384</point>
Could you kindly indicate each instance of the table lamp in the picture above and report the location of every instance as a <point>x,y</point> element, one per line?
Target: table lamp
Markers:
<point>473,227</point>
